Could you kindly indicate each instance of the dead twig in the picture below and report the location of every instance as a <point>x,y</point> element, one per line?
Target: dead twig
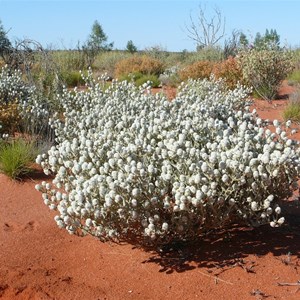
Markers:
<point>216,279</point>
<point>287,260</point>
<point>238,262</point>
<point>258,293</point>
<point>288,283</point>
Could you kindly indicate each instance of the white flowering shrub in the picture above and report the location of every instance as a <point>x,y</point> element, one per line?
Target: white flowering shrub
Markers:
<point>12,87</point>
<point>22,107</point>
<point>133,166</point>
<point>35,113</point>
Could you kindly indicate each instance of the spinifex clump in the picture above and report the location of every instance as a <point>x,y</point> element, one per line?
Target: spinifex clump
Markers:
<point>134,166</point>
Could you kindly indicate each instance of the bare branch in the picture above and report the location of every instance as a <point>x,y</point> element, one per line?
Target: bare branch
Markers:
<point>206,32</point>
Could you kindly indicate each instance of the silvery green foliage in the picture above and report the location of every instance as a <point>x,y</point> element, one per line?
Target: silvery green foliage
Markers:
<point>134,166</point>
<point>265,69</point>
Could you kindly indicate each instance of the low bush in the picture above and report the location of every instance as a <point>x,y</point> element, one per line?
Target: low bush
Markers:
<point>151,80</point>
<point>294,78</point>
<point>16,157</point>
<point>72,78</point>
<point>292,111</point>
<point>139,79</point>
<point>197,70</point>
<point>141,64</point>
<point>152,171</point>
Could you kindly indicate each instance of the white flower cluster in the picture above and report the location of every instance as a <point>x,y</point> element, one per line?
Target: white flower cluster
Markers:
<point>12,87</point>
<point>33,108</point>
<point>130,165</point>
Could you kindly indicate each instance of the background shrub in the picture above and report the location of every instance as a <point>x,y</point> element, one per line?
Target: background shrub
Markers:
<point>72,78</point>
<point>230,71</point>
<point>211,53</point>
<point>197,70</point>
<point>140,79</point>
<point>142,64</point>
<point>105,62</point>
<point>151,79</point>
<point>264,70</point>
<point>69,60</point>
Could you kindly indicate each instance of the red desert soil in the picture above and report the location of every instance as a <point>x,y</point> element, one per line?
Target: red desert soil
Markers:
<point>40,261</point>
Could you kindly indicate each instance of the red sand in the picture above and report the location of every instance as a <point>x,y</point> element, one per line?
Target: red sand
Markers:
<point>39,261</point>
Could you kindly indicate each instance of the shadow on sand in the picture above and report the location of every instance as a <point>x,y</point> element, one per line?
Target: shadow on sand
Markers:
<point>232,247</point>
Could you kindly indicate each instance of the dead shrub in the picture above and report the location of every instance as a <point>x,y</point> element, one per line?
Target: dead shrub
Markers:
<point>139,64</point>
<point>10,118</point>
<point>197,70</point>
<point>230,71</point>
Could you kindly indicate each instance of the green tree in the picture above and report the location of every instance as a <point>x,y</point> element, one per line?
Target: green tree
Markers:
<point>243,40</point>
<point>130,47</point>
<point>97,41</point>
<point>258,41</point>
<point>5,44</point>
<point>270,40</point>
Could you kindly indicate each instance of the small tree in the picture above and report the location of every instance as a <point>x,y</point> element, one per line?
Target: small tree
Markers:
<point>5,44</point>
<point>206,32</point>
<point>130,47</point>
<point>270,40</point>
<point>243,40</point>
<point>96,42</point>
<point>98,39</point>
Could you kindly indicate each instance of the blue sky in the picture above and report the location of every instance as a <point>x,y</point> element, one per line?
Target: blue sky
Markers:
<point>147,23</point>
